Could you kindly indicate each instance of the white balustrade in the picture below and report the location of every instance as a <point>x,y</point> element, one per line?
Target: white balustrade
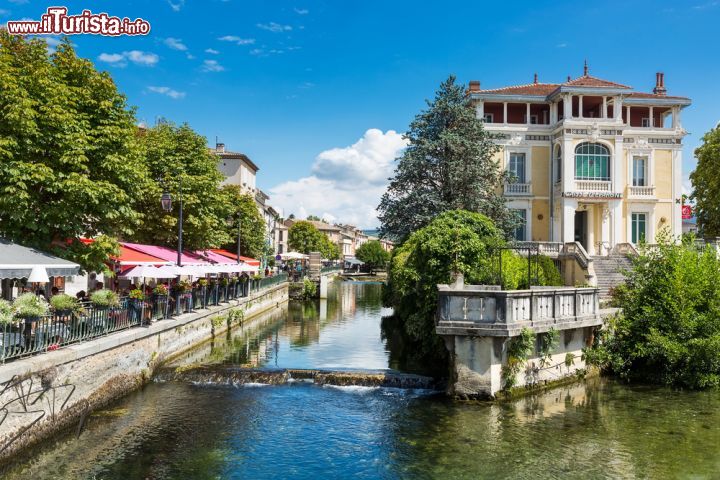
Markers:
<point>642,191</point>
<point>517,189</point>
<point>593,185</point>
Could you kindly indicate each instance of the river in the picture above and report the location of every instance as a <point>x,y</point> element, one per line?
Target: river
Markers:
<point>173,430</point>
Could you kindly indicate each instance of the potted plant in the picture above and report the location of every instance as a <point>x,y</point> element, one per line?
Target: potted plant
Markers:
<point>30,307</point>
<point>104,299</point>
<point>203,282</point>
<point>137,295</point>
<point>160,290</point>
<point>64,304</point>
<point>6,313</point>
<point>224,282</point>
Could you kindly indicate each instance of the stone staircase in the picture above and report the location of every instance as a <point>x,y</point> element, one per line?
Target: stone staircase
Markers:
<point>608,272</point>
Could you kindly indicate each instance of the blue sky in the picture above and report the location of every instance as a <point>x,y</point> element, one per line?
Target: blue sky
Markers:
<point>298,85</point>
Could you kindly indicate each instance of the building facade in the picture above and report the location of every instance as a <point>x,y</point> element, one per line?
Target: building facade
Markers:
<point>237,168</point>
<point>591,161</point>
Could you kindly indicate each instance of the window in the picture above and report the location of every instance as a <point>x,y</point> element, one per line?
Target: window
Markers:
<point>639,172</point>
<point>280,235</point>
<point>558,164</point>
<point>488,118</point>
<point>639,223</point>
<point>645,122</point>
<point>592,162</point>
<point>517,167</point>
<point>520,231</point>
<point>533,119</point>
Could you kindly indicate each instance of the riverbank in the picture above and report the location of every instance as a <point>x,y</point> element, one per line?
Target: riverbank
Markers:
<point>45,394</point>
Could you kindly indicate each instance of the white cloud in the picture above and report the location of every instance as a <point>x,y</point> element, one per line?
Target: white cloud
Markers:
<point>561,45</point>
<point>237,40</point>
<point>687,188</point>
<point>137,57</point>
<point>175,44</point>
<point>302,11</point>
<point>4,13</point>
<point>274,27</point>
<point>345,183</point>
<point>212,51</point>
<point>167,91</point>
<point>19,2</point>
<point>176,6</point>
<point>212,66</point>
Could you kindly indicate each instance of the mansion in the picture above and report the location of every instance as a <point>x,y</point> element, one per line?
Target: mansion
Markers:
<point>591,161</point>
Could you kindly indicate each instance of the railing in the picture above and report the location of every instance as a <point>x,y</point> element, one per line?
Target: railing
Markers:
<point>24,337</point>
<point>576,250</point>
<point>593,185</point>
<point>517,189</point>
<point>550,249</point>
<point>642,191</point>
<point>330,269</point>
<point>492,308</point>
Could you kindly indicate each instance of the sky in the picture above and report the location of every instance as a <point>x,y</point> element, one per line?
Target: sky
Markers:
<point>318,93</point>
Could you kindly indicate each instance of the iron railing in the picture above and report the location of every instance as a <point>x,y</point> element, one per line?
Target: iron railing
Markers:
<point>24,337</point>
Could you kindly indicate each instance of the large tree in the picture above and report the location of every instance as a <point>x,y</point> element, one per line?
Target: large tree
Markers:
<point>373,255</point>
<point>242,207</point>
<point>304,237</point>
<point>179,162</point>
<point>706,184</point>
<point>449,164</point>
<point>69,162</point>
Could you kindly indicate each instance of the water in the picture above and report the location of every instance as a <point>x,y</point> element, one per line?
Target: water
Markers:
<point>600,429</point>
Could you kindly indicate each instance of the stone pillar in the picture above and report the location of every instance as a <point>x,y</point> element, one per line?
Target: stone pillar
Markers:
<point>323,286</point>
<point>527,113</point>
<point>617,222</point>
<point>618,108</point>
<point>505,119</point>
<point>580,106</point>
<point>568,220</point>
<point>480,110</point>
<point>604,108</point>
<point>567,106</point>
<point>605,226</point>
<point>591,250</point>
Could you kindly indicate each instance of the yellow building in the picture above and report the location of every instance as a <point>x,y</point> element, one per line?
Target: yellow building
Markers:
<point>592,161</point>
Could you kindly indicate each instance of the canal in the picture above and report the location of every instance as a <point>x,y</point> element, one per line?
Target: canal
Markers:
<point>174,430</point>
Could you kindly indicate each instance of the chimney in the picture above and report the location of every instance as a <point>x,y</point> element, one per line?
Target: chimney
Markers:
<point>535,80</point>
<point>659,84</point>
<point>220,147</point>
<point>586,70</point>
<point>474,85</point>
<point>569,78</point>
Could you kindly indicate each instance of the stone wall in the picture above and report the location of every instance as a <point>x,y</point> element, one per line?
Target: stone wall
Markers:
<point>47,393</point>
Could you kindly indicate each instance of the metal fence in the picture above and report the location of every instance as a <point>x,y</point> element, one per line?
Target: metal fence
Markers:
<point>31,336</point>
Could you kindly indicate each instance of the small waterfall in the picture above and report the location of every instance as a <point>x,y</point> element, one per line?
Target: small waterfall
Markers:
<point>230,375</point>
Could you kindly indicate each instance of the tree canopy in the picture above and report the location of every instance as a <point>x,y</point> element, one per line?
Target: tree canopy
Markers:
<point>304,237</point>
<point>449,164</point>
<point>706,184</point>
<point>373,255</point>
<point>70,165</point>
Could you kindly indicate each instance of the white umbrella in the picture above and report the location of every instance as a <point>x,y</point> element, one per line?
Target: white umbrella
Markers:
<point>292,256</point>
<point>143,271</point>
<point>170,271</point>
<point>38,275</point>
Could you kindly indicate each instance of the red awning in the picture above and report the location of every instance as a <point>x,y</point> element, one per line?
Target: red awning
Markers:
<point>131,257</point>
<point>248,260</point>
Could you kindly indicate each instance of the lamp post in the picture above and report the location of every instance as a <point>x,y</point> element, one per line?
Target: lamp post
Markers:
<point>239,230</point>
<point>166,201</point>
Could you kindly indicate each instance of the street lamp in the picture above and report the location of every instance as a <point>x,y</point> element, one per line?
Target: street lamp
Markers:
<point>239,230</point>
<point>166,202</point>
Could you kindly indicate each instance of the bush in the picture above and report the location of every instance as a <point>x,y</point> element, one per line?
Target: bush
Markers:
<point>551,274</point>
<point>64,302</point>
<point>309,290</point>
<point>6,312</point>
<point>29,305</point>
<point>104,299</point>
<point>669,329</point>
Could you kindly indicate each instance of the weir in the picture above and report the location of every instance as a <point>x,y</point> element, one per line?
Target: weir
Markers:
<point>230,375</point>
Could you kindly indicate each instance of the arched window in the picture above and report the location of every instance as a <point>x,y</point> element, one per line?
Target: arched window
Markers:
<point>592,162</point>
<point>558,164</point>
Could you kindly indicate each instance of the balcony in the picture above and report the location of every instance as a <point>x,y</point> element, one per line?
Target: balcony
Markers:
<point>518,189</point>
<point>644,191</point>
<point>593,185</point>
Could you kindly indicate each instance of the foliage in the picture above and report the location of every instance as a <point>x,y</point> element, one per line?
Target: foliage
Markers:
<point>236,315</point>
<point>183,286</point>
<point>178,161</point>
<point>64,302</point>
<point>669,329</point>
<point>314,218</point>
<point>549,342</point>
<point>70,166</point>
<point>252,226</point>
<point>706,184</point>
<point>304,237</point>
<point>373,254</point>
<point>518,351</point>
<point>29,305</point>
<point>309,290</point>
<point>137,294</point>
<point>160,289</point>
<point>550,273</point>
<point>6,312</point>
<point>203,282</point>
<point>104,298</point>
<point>449,164</point>
<point>455,241</point>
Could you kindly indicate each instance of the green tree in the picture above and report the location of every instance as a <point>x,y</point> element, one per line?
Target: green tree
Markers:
<point>304,237</point>
<point>177,157</point>
<point>314,218</point>
<point>706,184</point>
<point>70,166</point>
<point>449,164</point>
<point>242,206</point>
<point>669,328</point>
<point>373,255</point>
